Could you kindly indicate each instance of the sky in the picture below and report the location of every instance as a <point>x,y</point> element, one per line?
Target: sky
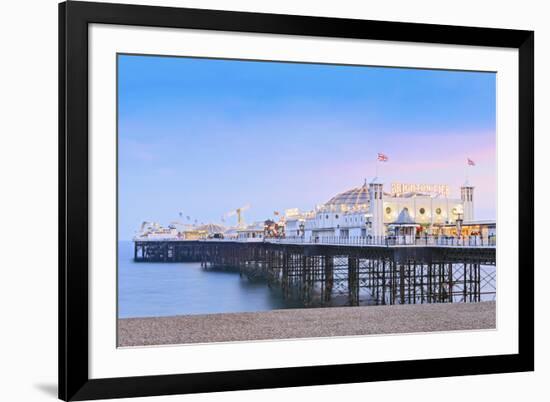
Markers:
<point>202,137</point>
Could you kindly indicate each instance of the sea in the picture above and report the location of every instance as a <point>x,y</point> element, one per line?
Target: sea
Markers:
<point>166,289</point>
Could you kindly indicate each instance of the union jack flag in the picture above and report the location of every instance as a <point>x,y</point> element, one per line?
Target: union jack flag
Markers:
<point>382,157</point>
<point>471,162</point>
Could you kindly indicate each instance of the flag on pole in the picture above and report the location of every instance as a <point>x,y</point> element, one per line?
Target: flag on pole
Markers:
<point>471,162</point>
<point>382,157</point>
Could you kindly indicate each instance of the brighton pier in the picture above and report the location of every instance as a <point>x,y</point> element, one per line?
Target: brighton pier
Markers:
<point>314,273</point>
<point>363,246</point>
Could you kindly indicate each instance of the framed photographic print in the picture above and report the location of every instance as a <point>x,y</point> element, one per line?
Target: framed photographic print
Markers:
<point>257,200</point>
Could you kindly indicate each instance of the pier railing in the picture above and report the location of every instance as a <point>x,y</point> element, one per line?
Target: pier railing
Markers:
<point>432,241</point>
<point>377,241</point>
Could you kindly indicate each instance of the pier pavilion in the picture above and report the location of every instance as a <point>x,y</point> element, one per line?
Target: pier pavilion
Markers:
<point>369,211</point>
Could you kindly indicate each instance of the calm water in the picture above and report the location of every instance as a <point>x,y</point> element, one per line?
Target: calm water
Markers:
<point>163,289</point>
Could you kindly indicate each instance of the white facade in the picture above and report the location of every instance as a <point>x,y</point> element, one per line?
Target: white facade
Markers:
<point>253,232</point>
<point>376,197</point>
<point>423,209</point>
<point>368,211</point>
<point>294,223</point>
<point>337,221</point>
<point>467,196</point>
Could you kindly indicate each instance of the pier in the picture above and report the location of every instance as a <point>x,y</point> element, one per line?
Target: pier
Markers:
<point>387,272</point>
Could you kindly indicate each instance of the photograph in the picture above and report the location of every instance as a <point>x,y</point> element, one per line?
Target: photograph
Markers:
<point>267,200</point>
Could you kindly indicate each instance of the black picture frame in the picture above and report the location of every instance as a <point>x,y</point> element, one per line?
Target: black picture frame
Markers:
<point>74,18</point>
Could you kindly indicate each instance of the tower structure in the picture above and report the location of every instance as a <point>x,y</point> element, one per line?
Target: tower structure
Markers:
<point>467,197</point>
<point>376,192</point>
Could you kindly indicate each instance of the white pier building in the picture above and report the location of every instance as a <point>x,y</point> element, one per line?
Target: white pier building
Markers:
<point>369,211</point>
<point>406,214</point>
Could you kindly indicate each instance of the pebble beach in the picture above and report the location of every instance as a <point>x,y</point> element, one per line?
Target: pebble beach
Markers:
<point>306,323</point>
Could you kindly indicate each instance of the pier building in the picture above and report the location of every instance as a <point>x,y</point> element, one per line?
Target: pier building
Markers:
<point>252,232</point>
<point>370,214</point>
<point>370,211</point>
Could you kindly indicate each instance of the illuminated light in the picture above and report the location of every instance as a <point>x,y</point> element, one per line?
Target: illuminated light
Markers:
<point>292,212</point>
<point>399,189</point>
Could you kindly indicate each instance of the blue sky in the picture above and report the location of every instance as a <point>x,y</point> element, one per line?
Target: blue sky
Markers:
<point>203,136</point>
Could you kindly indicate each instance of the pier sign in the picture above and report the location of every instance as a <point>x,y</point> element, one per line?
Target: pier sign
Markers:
<point>399,189</point>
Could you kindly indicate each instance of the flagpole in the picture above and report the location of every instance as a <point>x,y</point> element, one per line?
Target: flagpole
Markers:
<point>469,163</point>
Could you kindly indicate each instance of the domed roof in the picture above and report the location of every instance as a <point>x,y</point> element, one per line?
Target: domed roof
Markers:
<point>351,198</point>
